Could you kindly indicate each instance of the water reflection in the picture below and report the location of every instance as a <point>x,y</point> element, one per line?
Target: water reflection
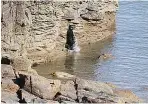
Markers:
<point>69,62</point>
<point>83,64</point>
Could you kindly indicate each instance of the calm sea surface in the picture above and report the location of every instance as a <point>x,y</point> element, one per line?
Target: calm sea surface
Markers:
<point>129,47</point>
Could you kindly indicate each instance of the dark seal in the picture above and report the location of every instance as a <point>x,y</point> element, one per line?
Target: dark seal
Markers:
<point>70,40</point>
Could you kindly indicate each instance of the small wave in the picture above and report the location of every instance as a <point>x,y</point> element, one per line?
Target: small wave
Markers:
<point>76,49</point>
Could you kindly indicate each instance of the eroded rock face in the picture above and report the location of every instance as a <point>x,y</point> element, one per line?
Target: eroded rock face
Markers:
<point>35,28</point>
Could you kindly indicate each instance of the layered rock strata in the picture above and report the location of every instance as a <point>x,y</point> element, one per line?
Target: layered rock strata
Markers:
<point>37,29</point>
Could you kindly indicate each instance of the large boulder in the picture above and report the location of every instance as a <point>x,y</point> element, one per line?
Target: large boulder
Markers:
<point>95,92</point>
<point>30,98</point>
<point>39,86</point>
<point>93,86</point>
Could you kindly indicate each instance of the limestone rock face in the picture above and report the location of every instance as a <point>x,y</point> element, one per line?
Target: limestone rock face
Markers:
<point>36,28</point>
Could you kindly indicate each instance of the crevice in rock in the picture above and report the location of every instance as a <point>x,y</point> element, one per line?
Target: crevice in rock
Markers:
<point>23,25</point>
<point>76,88</point>
<point>15,73</point>
<point>85,100</point>
<point>30,84</point>
<point>3,101</point>
<point>56,96</point>
<point>86,89</point>
<point>20,81</point>
<point>84,18</point>
<point>5,60</point>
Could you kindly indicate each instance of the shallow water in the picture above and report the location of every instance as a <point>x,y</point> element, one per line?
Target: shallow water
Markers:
<point>129,67</point>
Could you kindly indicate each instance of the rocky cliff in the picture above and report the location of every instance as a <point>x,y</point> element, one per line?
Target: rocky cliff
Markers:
<point>37,29</point>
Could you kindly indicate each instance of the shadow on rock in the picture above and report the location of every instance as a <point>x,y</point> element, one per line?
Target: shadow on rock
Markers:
<point>19,95</point>
<point>20,81</point>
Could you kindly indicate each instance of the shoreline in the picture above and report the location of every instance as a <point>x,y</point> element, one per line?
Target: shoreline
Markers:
<point>60,52</point>
<point>61,88</point>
